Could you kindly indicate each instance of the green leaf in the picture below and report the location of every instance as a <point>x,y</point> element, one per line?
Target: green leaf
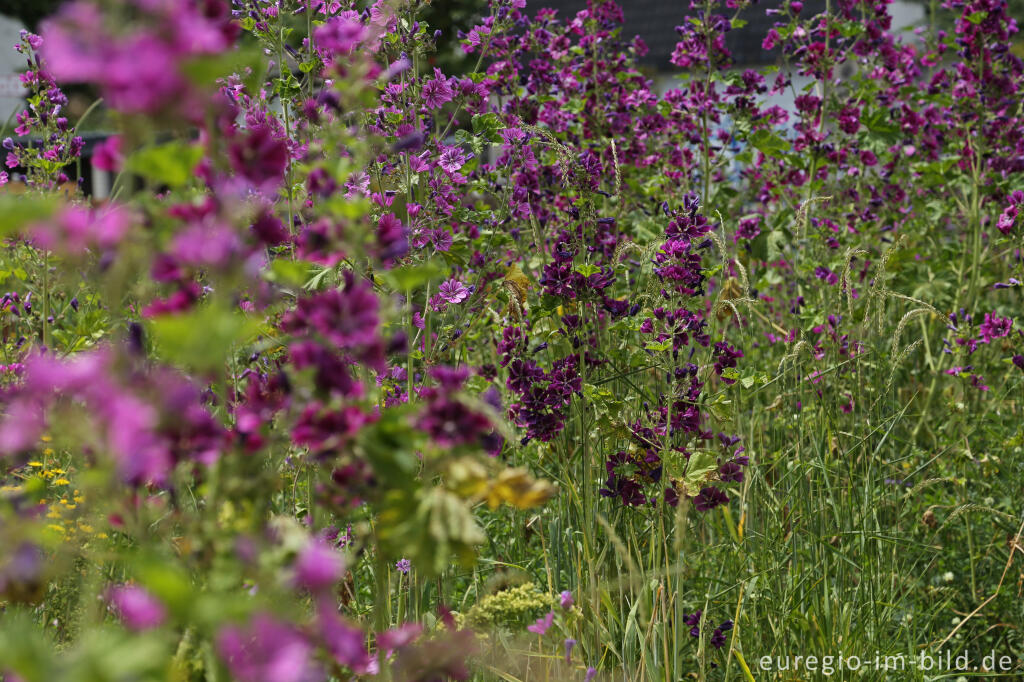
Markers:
<point>776,241</point>
<point>768,142</point>
<point>411,277</point>
<point>202,338</point>
<point>388,444</point>
<point>166,581</point>
<point>663,346</point>
<point>294,273</point>
<point>487,126</point>
<point>587,269</point>
<point>20,211</point>
<point>431,528</point>
<point>169,164</point>
<point>206,70</point>
<point>701,469</point>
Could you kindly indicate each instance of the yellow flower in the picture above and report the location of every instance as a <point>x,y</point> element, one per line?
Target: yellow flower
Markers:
<point>48,451</point>
<point>62,481</point>
<point>35,464</point>
<point>45,439</point>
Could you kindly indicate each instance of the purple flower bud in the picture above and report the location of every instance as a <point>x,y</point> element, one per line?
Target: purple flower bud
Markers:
<point>569,644</point>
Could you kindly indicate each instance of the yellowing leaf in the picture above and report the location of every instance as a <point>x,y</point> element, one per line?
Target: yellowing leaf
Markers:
<point>519,489</point>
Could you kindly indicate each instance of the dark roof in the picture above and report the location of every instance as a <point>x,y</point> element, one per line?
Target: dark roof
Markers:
<point>655,21</point>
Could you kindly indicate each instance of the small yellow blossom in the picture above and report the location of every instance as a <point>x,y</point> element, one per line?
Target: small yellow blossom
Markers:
<point>34,463</point>
<point>62,481</point>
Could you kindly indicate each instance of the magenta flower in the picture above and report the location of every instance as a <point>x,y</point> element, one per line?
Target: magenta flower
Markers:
<point>347,318</point>
<point>543,624</point>
<point>399,637</point>
<point>107,155</point>
<point>1006,219</point>
<point>136,607</point>
<point>437,92</point>
<point>77,229</point>
<point>453,291</point>
<point>392,239</point>
<point>260,157</point>
<point>346,644</point>
<point>267,651</point>
<point>566,600</point>
<point>318,566</point>
<point>994,327</point>
<point>341,34</point>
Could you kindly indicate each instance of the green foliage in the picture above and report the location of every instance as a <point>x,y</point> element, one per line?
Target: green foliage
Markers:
<point>170,164</point>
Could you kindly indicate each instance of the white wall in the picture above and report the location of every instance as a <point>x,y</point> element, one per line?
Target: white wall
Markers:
<point>11,64</point>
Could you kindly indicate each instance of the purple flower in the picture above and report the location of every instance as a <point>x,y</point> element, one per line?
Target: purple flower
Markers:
<point>398,637</point>
<point>24,570</point>
<point>267,651</point>
<point>437,92</point>
<point>403,566</point>
<point>442,239</point>
<point>994,327</point>
<point>453,291</point>
<point>107,154</point>
<point>565,599</point>
<point>392,241</point>
<point>591,674</point>
<point>318,566</point>
<point>709,498</point>
<point>260,157</point>
<point>542,624</point>
<point>346,644</point>
<point>569,644</point>
<point>346,318</point>
<point>137,608</point>
<point>1006,219</point>
<point>341,34</point>
<point>76,229</point>
<point>451,159</point>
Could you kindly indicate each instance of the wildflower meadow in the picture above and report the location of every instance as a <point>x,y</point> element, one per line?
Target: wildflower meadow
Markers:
<point>393,351</point>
